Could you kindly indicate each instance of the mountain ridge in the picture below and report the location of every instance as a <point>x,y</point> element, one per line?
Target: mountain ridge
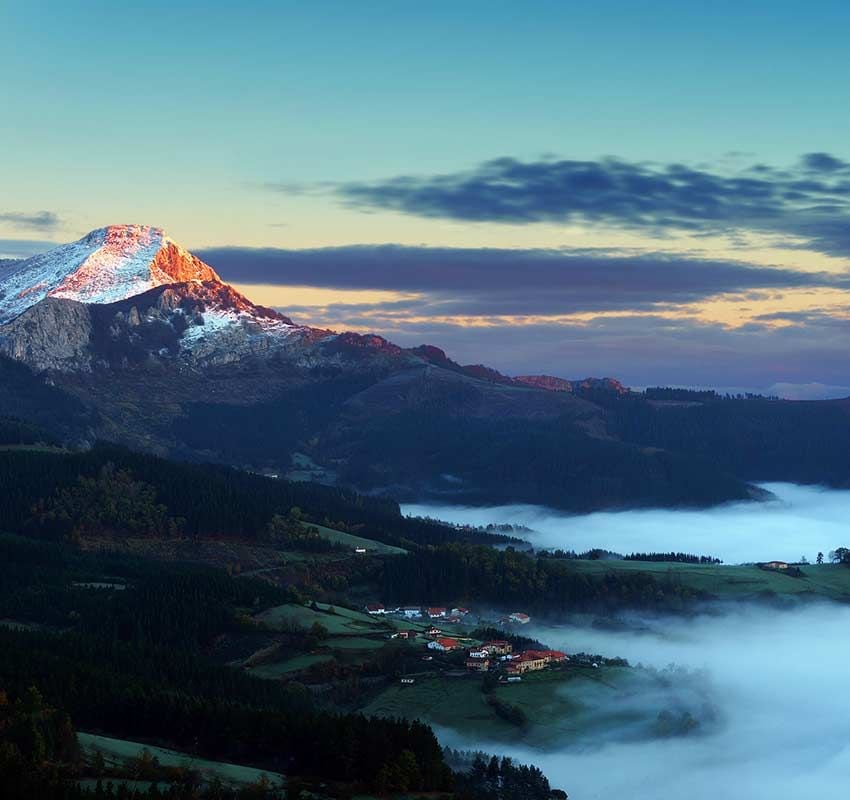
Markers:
<point>134,353</point>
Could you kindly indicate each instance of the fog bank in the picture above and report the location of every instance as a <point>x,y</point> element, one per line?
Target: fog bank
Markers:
<point>800,522</point>
<point>779,680</point>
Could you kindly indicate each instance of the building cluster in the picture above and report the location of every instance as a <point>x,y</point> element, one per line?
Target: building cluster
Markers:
<point>496,654</point>
<point>450,615</point>
<point>531,660</point>
<point>442,613</point>
<point>487,655</point>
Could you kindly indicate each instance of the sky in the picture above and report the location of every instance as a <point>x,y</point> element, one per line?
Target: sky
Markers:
<point>655,191</point>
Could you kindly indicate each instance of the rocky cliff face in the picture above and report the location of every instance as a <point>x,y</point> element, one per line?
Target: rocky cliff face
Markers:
<point>53,335</point>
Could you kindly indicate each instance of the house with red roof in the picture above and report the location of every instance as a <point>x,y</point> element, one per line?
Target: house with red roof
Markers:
<point>444,645</point>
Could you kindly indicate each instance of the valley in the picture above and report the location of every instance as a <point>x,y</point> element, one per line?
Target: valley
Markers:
<point>424,401</point>
<point>208,493</point>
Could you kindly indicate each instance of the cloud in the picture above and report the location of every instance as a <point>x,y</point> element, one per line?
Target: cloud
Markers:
<point>775,679</point>
<point>23,248</point>
<point>774,676</point>
<point>808,391</point>
<point>802,520</point>
<point>639,350</point>
<point>646,319</point>
<point>811,199</point>
<point>40,220</point>
<point>501,281</point>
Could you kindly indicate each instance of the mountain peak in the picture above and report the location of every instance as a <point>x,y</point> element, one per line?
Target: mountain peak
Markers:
<point>106,265</point>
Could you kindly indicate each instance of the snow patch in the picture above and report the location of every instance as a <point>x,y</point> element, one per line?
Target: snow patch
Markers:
<point>105,266</point>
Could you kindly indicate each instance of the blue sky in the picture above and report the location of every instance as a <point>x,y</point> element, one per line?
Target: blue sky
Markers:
<point>250,125</point>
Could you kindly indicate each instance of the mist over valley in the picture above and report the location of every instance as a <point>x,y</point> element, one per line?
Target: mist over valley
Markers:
<point>797,521</point>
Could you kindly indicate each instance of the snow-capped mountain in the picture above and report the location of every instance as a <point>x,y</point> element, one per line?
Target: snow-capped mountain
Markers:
<point>106,265</point>
<point>125,291</point>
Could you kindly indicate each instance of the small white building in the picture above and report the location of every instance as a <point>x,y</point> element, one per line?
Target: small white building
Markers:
<point>411,611</point>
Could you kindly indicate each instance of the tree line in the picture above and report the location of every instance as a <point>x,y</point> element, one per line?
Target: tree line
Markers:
<point>509,577</point>
<point>111,488</point>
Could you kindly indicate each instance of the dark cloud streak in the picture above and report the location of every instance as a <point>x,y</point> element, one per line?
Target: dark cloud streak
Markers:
<point>40,220</point>
<point>810,199</point>
<point>493,281</point>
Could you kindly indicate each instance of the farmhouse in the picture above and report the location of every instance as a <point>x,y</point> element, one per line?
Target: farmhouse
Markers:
<point>436,613</point>
<point>407,634</point>
<point>411,611</point>
<point>433,631</point>
<point>549,656</point>
<point>375,608</point>
<point>482,653</point>
<point>775,565</point>
<point>460,612</point>
<point>478,664</point>
<point>525,662</point>
<point>519,617</point>
<point>444,645</point>
<point>498,647</point>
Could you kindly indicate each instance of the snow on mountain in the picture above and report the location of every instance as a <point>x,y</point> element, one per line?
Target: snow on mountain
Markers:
<point>141,293</point>
<point>105,266</point>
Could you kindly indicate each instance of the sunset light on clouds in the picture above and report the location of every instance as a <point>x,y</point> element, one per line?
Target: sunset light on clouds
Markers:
<point>555,219</point>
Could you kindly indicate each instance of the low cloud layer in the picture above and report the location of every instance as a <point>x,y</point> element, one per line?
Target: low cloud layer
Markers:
<point>778,679</point>
<point>802,521</point>
<point>810,199</point>
<point>647,319</point>
<point>519,282</point>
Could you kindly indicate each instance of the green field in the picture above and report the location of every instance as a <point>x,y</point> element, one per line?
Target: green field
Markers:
<point>733,581</point>
<point>352,541</point>
<point>576,705</point>
<point>118,752</point>
<point>355,643</point>
<point>354,637</point>
<point>278,669</point>
<point>342,622</point>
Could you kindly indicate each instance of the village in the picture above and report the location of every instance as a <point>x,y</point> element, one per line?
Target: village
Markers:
<point>497,655</point>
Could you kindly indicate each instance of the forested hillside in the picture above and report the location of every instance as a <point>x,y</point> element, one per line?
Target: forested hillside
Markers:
<point>45,489</point>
